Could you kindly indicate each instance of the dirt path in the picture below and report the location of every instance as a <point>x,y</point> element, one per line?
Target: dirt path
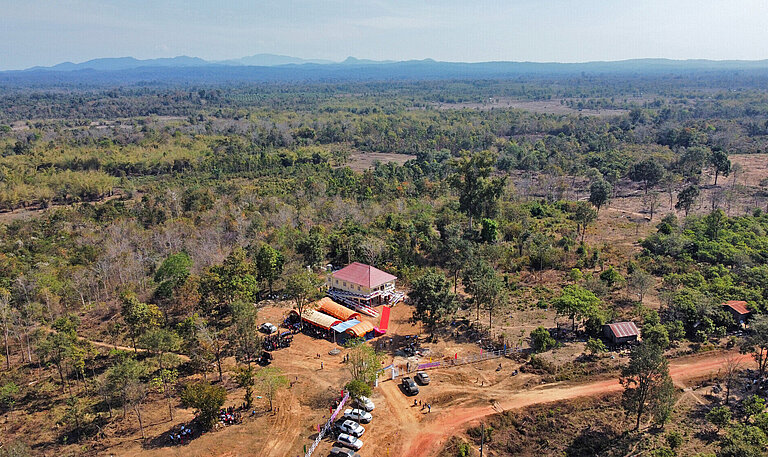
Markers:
<point>427,438</point>
<point>288,422</point>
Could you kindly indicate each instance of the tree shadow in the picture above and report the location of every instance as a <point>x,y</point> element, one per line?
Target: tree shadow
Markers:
<point>593,441</point>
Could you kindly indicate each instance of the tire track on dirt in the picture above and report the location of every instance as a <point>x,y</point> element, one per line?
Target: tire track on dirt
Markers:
<point>286,429</point>
<point>424,443</point>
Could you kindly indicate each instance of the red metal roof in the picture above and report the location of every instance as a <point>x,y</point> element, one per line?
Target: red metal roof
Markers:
<point>363,275</point>
<point>737,305</point>
<point>623,329</point>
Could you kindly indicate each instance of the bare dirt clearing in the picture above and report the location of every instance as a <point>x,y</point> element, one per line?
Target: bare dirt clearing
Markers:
<point>361,161</point>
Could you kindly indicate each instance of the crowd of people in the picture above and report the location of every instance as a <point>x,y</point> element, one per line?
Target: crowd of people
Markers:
<point>230,416</point>
<point>182,435</point>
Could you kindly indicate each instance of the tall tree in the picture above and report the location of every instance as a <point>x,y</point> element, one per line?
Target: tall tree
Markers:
<point>720,163</point>
<point>575,301</point>
<point>235,279</point>
<point>5,319</point>
<point>599,193</point>
<point>756,343</point>
<point>120,376</point>
<point>364,362</point>
<point>271,380</point>
<point>432,299</point>
<point>478,191</point>
<point>206,399</point>
<point>584,215</point>
<point>649,172</point>
<point>162,342</point>
<point>244,376</point>
<point>269,264</point>
<point>303,287</point>
<point>687,198</point>
<point>646,381</point>
<point>139,317</point>
<point>243,333</point>
<point>487,288</point>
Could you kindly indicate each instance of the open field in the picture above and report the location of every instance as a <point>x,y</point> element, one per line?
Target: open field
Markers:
<point>361,161</point>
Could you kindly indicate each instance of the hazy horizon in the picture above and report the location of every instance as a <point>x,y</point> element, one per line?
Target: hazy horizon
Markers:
<point>41,33</point>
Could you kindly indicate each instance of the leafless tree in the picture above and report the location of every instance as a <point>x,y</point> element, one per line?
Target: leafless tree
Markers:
<point>732,365</point>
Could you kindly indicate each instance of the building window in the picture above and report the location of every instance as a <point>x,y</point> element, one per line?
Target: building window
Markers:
<point>345,284</point>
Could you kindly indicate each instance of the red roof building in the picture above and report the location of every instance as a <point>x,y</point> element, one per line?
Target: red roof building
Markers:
<point>739,310</point>
<point>364,276</point>
<point>362,287</point>
<point>621,332</point>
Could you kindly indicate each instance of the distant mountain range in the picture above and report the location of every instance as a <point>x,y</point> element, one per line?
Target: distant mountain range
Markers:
<point>272,67</point>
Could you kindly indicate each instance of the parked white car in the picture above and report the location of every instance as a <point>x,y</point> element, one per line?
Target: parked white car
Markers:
<point>350,441</point>
<point>268,328</point>
<point>351,427</point>
<point>365,403</point>
<point>358,415</point>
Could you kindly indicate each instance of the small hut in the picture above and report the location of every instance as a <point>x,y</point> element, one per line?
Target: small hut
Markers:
<point>621,332</point>
<point>738,310</point>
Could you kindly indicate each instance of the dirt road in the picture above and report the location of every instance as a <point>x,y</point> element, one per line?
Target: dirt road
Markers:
<point>425,438</point>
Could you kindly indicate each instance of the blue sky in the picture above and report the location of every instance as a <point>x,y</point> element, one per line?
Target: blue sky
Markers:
<point>46,32</point>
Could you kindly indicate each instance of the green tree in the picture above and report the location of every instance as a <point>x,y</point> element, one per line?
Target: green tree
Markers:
<point>490,230</point>
<point>206,399</point>
<point>541,340</point>
<point>649,172</point>
<point>162,343</point>
<point>243,334</point>
<point>303,287</point>
<point>120,376</point>
<point>719,416</point>
<point>640,282</point>
<point>234,280</point>
<point>9,395</point>
<point>269,264</point>
<point>487,288</point>
<point>596,346</point>
<point>271,380</point>
<point>743,441</point>
<point>646,381</point>
<point>6,313</point>
<point>600,193</point>
<point>478,191</point>
<point>584,216</point>
<point>364,362</point>
<point>575,301</point>
<point>172,274</point>
<point>656,334</point>
<point>357,388</point>
<point>756,343</point>
<point>244,377</point>
<point>432,299</point>
<point>720,163</point>
<point>139,317</point>
<point>687,198</point>
<point>313,247</point>
<point>174,270</point>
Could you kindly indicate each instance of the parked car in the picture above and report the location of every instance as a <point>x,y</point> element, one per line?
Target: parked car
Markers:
<point>409,387</point>
<point>343,452</point>
<point>422,378</point>
<point>365,403</point>
<point>358,415</point>
<point>351,427</point>
<point>350,441</point>
<point>268,328</point>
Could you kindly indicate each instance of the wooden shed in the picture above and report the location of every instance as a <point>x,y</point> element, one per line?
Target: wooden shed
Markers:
<point>621,332</point>
<point>739,311</point>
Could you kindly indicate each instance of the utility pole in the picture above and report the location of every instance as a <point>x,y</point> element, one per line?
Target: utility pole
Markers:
<point>482,438</point>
